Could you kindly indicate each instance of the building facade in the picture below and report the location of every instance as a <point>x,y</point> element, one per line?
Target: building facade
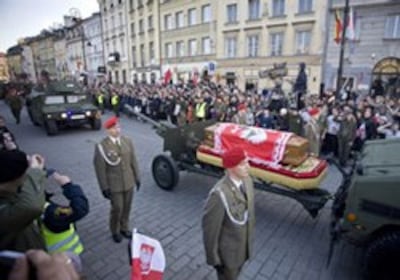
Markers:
<point>373,53</point>
<point>42,47</point>
<point>93,45</point>
<point>115,38</point>
<point>60,54</point>
<point>188,39</point>
<point>254,35</point>
<point>74,43</point>
<point>144,40</point>
<point>4,75</point>
<point>28,66</point>
<point>14,60</point>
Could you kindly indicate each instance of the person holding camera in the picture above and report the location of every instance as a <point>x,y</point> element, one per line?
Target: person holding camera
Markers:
<point>22,198</point>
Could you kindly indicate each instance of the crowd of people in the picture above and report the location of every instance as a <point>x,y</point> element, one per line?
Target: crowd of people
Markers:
<point>333,124</point>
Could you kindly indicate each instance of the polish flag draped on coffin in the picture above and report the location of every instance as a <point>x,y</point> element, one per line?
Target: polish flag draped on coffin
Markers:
<point>148,259</point>
<point>261,145</point>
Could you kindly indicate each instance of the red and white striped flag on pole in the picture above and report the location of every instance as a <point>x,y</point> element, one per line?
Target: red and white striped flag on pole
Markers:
<point>148,259</point>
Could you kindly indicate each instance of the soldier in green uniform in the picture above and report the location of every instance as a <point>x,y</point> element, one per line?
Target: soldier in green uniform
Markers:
<point>346,134</point>
<point>228,219</point>
<point>14,100</point>
<point>117,173</point>
<point>295,121</point>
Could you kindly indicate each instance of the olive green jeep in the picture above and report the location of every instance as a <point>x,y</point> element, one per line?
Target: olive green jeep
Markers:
<point>62,104</point>
<point>366,210</point>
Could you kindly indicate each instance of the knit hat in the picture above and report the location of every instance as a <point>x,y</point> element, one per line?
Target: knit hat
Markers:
<point>233,157</point>
<point>110,122</point>
<point>13,165</point>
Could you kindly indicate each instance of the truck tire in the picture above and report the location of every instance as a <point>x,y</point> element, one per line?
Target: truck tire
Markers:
<point>382,257</point>
<point>95,124</point>
<point>165,172</point>
<point>51,127</point>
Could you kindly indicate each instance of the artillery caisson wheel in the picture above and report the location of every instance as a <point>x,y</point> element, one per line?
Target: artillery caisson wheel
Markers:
<point>165,172</point>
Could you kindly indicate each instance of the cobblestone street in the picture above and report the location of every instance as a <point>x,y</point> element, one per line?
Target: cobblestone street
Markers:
<point>289,244</point>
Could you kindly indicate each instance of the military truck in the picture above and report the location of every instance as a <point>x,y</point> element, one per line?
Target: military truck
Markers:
<point>62,104</point>
<point>366,208</point>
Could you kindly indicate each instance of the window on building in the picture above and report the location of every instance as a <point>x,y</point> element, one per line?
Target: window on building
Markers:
<point>254,9</point>
<point>114,45</point>
<point>122,44</point>
<point>206,13</point>
<point>252,45</point>
<point>142,55</point>
<point>121,20</point>
<point>206,45</point>
<point>140,3</point>
<point>168,22</point>
<point>134,56</point>
<point>179,19</point>
<point>392,27</point>
<point>303,42</point>
<point>112,22</point>
<point>131,4</point>
<point>192,18</point>
<point>231,13</point>
<point>230,47</point>
<point>278,8</point>
<point>276,44</point>
<point>168,50</point>
<point>305,6</point>
<point>133,29</point>
<point>152,53</point>
<point>193,47</point>
<point>357,28</point>
<point>150,22</point>
<point>180,49</point>
<point>141,27</point>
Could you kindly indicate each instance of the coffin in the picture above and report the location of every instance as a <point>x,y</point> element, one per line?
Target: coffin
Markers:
<point>274,156</point>
<point>295,152</point>
<point>308,175</point>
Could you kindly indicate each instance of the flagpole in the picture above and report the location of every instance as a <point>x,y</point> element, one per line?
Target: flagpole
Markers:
<point>342,47</point>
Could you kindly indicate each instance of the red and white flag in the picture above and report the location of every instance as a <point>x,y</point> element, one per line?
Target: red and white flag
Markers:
<point>148,259</point>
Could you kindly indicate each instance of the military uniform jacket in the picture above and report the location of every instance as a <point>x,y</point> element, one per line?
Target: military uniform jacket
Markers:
<point>228,224</point>
<point>19,211</point>
<point>116,166</point>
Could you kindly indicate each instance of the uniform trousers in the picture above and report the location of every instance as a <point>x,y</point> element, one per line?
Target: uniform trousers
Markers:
<point>121,203</point>
<point>226,273</point>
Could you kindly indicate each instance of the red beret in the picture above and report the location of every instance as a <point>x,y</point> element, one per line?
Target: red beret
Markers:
<point>313,111</point>
<point>110,122</point>
<point>242,107</point>
<point>233,157</point>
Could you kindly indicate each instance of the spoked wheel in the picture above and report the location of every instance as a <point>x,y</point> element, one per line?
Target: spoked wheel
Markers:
<point>165,172</point>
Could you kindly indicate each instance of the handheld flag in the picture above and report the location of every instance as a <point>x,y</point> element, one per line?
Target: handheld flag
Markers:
<point>148,259</point>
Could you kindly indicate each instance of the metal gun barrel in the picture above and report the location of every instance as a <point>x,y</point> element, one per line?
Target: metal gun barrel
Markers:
<point>158,125</point>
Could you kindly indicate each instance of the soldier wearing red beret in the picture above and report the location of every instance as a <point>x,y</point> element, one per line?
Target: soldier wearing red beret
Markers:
<point>117,173</point>
<point>228,219</point>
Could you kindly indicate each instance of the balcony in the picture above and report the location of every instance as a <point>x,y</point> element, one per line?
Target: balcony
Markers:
<point>113,58</point>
